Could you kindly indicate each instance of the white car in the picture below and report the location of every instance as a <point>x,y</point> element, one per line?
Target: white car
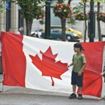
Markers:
<point>36,34</point>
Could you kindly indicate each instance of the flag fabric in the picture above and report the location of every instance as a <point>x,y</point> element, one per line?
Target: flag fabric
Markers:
<point>93,81</point>
<point>43,64</point>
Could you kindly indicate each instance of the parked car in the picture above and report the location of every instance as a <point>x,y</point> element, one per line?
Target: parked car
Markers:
<point>75,33</point>
<point>56,35</point>
<point>37,34</point>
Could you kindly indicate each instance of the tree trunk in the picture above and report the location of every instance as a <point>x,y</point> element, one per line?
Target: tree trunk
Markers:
<point>69,1</point>
<point>28,27</point>
<point>63,24</point>
<point>98,22</point>
<point>85,22</point>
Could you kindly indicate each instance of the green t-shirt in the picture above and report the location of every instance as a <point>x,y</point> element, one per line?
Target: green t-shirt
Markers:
<point>78,62</point>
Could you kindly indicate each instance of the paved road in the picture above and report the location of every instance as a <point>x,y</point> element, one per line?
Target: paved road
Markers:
<point>21,96</point>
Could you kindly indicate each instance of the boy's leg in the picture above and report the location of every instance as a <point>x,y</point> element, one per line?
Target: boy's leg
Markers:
<point>80,93</point>
<point>73,82</point>
<point>79,84</point>
<point>79,90</point>
<point>74,89</point>
<point>73,95</point>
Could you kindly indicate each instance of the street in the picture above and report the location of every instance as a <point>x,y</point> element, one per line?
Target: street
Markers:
<point>22,96</point>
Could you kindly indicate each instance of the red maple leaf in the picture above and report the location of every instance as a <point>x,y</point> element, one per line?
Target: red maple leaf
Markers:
<point>48,66</point>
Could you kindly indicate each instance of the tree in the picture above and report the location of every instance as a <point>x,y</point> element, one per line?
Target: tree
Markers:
<point>63,22</point>
<point>84,1</point>
<point>69,1</point>
<point>79,12</point>
<point>30,9</point>
<point>98,20</point>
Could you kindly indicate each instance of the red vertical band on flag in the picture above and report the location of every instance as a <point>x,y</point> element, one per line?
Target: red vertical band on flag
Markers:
<point>13,59</point>
<point>92,84</point>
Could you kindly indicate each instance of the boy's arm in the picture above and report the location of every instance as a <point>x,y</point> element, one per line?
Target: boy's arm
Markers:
<point>82,69</point>
<point>70,64</point>
<point>84,65</point>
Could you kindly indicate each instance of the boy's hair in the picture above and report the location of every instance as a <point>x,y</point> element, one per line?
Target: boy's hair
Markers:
<point>78,45</point>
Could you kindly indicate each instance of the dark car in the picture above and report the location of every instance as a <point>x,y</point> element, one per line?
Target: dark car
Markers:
<point>56,35</point>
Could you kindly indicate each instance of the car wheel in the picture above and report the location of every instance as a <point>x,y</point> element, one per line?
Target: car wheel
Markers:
<point>68,38</point>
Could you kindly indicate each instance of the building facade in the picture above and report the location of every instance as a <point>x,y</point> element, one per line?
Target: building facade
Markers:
<point>10,18</point>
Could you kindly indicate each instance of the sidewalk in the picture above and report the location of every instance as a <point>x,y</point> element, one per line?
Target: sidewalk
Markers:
<point>23,96</point>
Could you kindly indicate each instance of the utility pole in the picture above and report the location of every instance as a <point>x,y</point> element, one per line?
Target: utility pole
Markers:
<point>47,19</point>
<point>91,23</point>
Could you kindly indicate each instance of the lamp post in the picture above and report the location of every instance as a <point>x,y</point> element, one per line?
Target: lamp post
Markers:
<point>47,19</point>
<point>91,23</point>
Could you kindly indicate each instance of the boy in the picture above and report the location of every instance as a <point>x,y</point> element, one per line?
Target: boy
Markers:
<point>78,63</point>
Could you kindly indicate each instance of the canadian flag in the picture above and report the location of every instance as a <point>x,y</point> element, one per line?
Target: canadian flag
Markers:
<point>43,64</point>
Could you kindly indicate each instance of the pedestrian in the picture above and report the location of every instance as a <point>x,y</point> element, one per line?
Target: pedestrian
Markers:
<point>78,63</point>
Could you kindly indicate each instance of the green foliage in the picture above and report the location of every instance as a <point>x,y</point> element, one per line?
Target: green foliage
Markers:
<point>60,1</point>
<point>30,8</point>
<point>101,1</point>
<point>78,8</point>
<point>85,0</point>
<point>78,12</point>
<point>1,6</point>
<point>71,21</point>
<point>81,16</point>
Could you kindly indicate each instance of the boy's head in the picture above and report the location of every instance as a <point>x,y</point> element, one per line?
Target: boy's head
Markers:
<point>78,47</point>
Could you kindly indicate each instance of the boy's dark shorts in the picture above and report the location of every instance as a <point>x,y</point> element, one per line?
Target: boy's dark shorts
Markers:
<point>76,80</point>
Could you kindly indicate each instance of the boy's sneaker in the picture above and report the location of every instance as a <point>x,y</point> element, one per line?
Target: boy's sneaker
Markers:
<point>72,96</point>
<point>80,96</point>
